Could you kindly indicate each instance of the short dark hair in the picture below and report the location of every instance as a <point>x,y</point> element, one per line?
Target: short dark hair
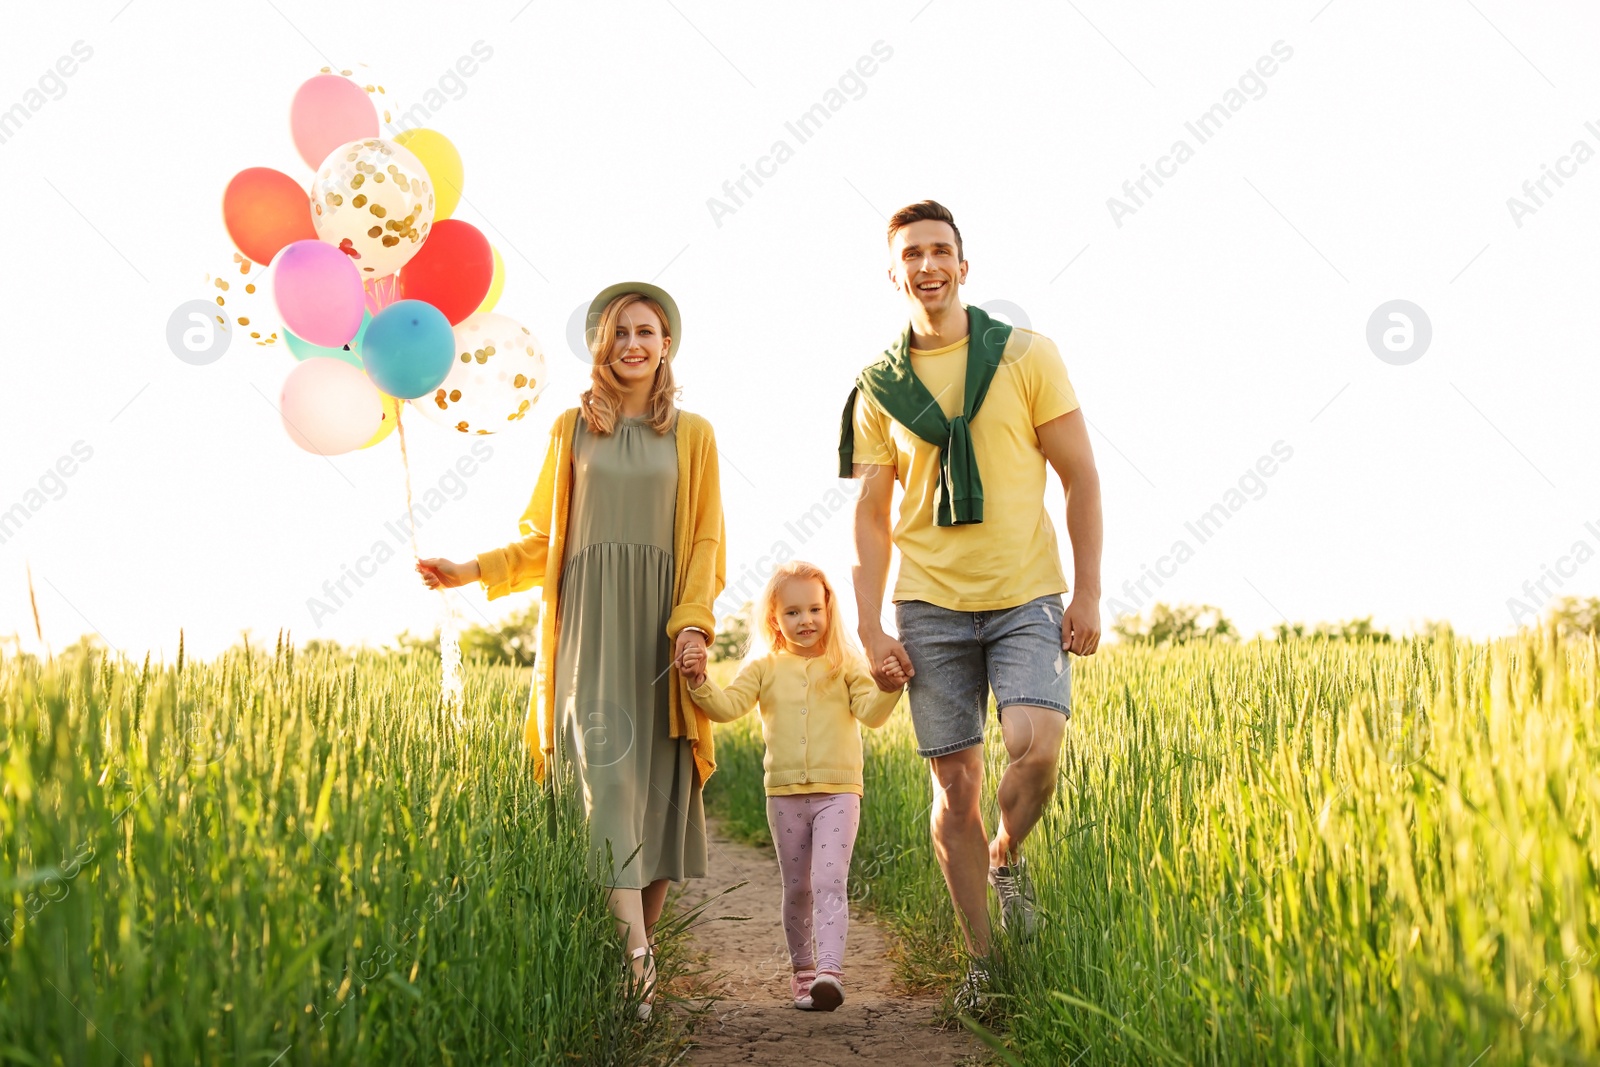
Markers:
<point>925,210</point>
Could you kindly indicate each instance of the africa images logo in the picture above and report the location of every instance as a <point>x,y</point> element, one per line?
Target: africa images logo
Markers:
<point>806,126</point>
<point>1203,128</point>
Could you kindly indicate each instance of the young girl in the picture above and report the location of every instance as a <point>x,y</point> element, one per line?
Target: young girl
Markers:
<point>813,688</point>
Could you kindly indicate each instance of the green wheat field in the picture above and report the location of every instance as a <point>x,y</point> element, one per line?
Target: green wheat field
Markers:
<point>1278,852</point>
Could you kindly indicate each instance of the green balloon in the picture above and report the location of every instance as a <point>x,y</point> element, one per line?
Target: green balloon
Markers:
<point>350,353</point>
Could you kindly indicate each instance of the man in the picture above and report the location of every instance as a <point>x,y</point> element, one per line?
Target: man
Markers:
<point>964,412</point>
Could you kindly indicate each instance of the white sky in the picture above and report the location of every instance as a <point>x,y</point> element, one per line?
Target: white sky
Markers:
<point>1227,314</point>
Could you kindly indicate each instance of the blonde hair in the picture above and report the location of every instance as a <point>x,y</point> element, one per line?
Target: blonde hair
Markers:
<point>837,648</point>
<point>601,403</point>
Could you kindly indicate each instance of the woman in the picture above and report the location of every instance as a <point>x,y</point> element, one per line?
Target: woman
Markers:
<point>625,534</point>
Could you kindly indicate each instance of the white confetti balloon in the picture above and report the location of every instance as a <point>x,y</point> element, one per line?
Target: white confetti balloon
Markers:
<point>373,200</point>
<point>495,379</point>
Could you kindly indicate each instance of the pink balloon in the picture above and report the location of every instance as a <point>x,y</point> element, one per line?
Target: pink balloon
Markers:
<point>329,111</point>
<point>318,292</point>
<point>329,406</point>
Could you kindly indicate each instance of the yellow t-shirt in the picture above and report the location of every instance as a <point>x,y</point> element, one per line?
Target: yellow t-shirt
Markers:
<point>1011,556</point>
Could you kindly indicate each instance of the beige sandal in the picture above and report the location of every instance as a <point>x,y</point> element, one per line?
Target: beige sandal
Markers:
<point>646,1006</point>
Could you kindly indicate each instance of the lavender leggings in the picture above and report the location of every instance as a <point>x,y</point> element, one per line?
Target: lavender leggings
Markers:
<point>815,834</point>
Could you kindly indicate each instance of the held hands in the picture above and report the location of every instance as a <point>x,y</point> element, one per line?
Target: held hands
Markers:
<point>882,651</point>
<point>439,573</point>
<point>890,668</point>
<point>690,657</point>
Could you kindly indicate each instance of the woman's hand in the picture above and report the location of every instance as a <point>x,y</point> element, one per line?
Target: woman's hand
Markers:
<point>693,665</point>
<point>689,654</point>
<point>439,573</point>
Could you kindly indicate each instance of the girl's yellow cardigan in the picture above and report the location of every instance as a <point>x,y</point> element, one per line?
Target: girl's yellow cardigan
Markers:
<point>699,566</point>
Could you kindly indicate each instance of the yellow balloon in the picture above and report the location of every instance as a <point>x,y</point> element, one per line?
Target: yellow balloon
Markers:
<point>497,283</point>
<point>391,412</point>
<point>444,167</point>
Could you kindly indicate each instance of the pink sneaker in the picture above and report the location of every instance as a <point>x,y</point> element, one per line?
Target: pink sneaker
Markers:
<point>827,992</point>
<point>800,987</point>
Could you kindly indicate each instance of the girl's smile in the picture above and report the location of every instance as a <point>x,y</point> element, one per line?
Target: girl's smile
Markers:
<point>802,609</point>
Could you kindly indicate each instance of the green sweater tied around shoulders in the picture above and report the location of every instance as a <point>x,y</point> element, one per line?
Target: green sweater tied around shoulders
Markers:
<point>895,387</point>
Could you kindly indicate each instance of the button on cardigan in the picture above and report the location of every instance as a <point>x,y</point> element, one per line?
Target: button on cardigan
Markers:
<point>699,571</point>
<point>808,720</point>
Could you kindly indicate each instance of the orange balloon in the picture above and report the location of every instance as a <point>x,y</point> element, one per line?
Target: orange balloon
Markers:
<point>264,210</point>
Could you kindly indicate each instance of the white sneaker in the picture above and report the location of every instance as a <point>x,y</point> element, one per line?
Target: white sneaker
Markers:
<point>972,995</point>
<point>1017,910</point>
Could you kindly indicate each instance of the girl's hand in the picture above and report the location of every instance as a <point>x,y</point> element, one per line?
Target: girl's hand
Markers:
<point>687,639</point>
<point>890,668</point>
<point>439,573</point>
<point>692,662</point>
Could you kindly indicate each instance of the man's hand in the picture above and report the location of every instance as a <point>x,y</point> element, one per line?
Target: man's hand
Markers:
<point>883,650</point>
<point>873,548</point>
<point>689,656</point>
<point>1065,443</point>
<point>1080,625</point>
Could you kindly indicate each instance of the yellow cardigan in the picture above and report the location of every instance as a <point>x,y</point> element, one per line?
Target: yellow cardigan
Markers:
<point>699,566</point>
<point>808,720</point>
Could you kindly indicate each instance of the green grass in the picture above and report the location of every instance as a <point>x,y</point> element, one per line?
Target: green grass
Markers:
<point>1276,853</point>
<point>279,860</point>
<point>1305,852</point>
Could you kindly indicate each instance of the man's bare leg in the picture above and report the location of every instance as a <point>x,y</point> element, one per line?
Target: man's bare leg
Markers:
<point>959,840</point>
<point>1033,738</point>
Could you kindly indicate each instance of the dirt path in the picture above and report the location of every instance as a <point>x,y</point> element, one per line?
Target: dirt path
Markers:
<point>755,1014</point>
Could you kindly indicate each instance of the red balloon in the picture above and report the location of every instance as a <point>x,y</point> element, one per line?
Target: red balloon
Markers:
<point>264,210</point>
<point>452,270</point>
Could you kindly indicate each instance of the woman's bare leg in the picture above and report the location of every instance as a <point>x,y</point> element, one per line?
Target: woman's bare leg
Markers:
<point>653,897</point>
<point>628,907</point>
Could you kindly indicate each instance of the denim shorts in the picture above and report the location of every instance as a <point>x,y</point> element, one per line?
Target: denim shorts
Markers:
<point>959,656</point>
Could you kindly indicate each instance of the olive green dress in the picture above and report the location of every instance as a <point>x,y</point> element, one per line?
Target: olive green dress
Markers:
<point>612,679</point>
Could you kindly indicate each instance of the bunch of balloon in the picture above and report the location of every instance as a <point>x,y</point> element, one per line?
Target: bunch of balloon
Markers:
<point>383,296</point>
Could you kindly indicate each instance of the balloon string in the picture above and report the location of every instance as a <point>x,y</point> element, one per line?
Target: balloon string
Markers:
<point>405,460</point>
<point>450,683</point>
<point>381,292</point>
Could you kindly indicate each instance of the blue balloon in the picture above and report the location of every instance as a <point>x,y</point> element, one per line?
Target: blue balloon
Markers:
<point>350,353</point>
<point>408,349</point>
